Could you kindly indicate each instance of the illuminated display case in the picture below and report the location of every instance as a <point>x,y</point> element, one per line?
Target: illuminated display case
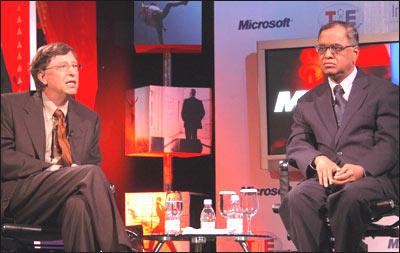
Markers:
<point>158,118</point>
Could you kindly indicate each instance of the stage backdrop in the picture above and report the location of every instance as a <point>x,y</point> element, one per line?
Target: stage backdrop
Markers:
<point>238,26</point>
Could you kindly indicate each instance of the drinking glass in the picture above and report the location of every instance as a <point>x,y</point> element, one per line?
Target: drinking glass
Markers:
<point>249,204</point>
<point>173,211</point>
<point>225,202</point>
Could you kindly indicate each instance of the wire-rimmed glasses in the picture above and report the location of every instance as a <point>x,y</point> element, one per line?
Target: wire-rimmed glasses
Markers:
<point>65,67</point>
<point>334,48</point>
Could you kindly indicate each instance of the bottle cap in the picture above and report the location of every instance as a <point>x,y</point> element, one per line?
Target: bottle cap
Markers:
<point>234,197</point>
<point>207,202</point>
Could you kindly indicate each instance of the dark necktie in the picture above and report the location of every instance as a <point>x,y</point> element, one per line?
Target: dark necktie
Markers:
<point>340,103</point>
<point>61,139</point>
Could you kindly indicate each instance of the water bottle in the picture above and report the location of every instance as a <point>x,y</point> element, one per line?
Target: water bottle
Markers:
<point>235,216</point>
<point>173,211</point>
<point>207,216</point>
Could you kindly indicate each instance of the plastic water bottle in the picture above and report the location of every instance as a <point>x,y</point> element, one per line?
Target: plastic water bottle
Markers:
<point>173,211</point>
<point>207,216</point>
<point>235,216</point>
<point>172,222</point>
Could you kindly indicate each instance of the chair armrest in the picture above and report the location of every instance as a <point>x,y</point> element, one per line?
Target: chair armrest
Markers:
<point>31,232</point>
<point>382,208</point>
<point>284,183</point>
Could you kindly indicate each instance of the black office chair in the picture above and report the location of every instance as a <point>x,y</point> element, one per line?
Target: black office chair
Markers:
<point>380,208</point>
<point>29,238</point>
<point>135,233</point>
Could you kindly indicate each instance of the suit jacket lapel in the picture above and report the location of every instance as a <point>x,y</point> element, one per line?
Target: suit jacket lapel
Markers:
<point>325,110</point>
<point>34,121</point>
<point>75,131</point>
<point>356,99</point>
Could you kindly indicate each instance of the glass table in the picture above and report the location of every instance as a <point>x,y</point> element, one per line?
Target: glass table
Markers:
<point>198,240</point>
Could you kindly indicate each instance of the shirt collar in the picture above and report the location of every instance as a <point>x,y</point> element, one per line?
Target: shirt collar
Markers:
<point>347,83</point>
<point>50,107</point>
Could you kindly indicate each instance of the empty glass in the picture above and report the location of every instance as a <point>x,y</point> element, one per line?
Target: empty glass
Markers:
<point>249,204</point>
<point>225,202</point>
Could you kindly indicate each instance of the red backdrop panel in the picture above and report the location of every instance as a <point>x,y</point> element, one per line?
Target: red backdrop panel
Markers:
<point>74,23</point>
<point>15,42</point>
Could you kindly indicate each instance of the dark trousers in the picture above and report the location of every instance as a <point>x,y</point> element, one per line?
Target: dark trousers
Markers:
<point>78,199</point>
<point>191,133</point>
<point>305,207</point>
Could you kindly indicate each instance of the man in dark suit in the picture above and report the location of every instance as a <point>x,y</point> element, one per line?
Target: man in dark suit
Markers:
<point>192,113</point>
<point>50,158</point>
<point>345,141</point>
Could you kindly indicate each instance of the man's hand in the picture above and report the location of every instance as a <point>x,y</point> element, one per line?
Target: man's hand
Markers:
<point>54,167</point>
<point>325,168</point>
<point>348,173</point>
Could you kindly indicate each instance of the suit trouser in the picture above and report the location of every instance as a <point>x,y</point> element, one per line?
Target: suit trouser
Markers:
<point>77,198</point>
<point>191,133</point>
<point>305,207</point>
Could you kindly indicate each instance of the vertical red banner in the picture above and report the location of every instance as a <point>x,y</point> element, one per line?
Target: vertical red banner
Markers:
<point>15,42</point>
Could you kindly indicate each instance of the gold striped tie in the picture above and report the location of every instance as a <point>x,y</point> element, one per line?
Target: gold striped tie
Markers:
<point>61,139</point>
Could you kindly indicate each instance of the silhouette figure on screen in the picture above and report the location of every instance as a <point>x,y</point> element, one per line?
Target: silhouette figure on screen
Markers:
<point>153,15</point>
<point>192,114</point>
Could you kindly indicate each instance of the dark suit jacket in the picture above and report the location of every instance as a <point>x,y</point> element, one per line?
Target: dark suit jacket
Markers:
<point>23,139</point>
<point>369,136</point>
<point>192,112</point>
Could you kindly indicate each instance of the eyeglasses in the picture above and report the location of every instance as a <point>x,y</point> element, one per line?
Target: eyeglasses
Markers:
<point>335,48</point>
<point>66,67</point>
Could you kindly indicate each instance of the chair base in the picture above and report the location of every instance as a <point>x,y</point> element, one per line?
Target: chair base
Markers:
<point>9,244</point>
<point>28,238</point>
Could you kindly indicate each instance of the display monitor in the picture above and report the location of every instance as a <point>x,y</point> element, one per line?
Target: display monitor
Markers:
<point>287,69</point>
<point>173,26</point>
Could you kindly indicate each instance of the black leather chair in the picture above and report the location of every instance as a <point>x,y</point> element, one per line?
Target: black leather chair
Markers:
<point>29,238</point>
<point>25,238</point>
<point>135,233</point>
<point>380,208</point>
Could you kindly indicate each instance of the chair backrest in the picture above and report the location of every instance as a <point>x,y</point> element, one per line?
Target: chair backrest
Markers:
<point>284,184</point>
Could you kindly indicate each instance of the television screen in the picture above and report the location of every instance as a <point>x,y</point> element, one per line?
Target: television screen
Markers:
<point>167,25</point>
<point>290,71</point>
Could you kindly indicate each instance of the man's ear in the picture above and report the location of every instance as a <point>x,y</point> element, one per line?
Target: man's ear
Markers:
<point>42,77</point>
<point>356,51</point>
